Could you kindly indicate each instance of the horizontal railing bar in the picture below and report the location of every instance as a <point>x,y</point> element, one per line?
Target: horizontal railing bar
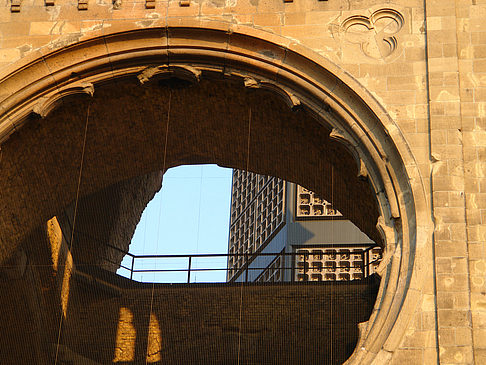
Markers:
<point>235,255</point>
<point>124,267</point>
<point>370,248</point>
<point>331,246</point>
<point>205,255</point>
<point>309,270</point>
<point>246,266</point>
<point>328,245</point>
<point>372,262</point>
<point>119,250</point>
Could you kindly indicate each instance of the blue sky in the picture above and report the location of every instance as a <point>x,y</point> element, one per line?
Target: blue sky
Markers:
<point>190,215</point>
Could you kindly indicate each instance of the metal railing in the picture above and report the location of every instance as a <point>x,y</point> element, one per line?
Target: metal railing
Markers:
<point>294,268</point>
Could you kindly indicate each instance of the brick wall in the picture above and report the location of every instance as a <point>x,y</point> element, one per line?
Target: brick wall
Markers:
<point>200,324</point>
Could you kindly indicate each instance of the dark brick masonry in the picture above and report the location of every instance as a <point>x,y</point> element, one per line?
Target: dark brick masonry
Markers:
<point>209,123</point>
<point>305,323</point>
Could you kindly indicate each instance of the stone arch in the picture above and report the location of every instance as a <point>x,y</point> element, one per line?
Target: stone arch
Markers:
<point>257,59</point>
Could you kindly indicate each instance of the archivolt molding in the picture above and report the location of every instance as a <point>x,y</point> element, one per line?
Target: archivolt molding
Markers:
<point>185,72</point>
<point>290,99</point>
<point>47,103</point>
<point>293,71</point>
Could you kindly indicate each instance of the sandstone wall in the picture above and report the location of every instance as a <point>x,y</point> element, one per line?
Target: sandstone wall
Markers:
<point>423,61</point>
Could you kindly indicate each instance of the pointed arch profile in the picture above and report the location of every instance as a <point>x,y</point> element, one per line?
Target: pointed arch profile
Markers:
<point>42,81</point>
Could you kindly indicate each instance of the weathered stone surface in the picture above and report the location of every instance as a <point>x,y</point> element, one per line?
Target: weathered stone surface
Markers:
<point>280,324</point>
<point>122,143</point>
<point>422,62</point>
<point>108,219</point>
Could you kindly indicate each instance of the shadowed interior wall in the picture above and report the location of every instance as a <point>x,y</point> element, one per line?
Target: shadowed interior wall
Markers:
<point>107,317</point>
<point>209,122</point>
<point>312,323</point>
<point>108,218</point>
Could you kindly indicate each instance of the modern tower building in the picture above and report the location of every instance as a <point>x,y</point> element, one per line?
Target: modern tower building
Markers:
<point>309,239</point>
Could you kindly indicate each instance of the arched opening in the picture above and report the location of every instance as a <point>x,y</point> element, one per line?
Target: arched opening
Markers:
<point>203,212</point>
<point>189,215</point>
<point>120,151</point>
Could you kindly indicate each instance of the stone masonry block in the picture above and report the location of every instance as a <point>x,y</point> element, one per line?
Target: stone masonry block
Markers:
<point>15,6</point>
<point>82,4</point>
<point>456,354</point>
<point>454,318</point>
<point>407,356</point>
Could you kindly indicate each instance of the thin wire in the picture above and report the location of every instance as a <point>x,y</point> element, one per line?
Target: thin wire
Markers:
<point>142,117</point>
<point>74,217</point>
<point>144,239</point>
<point>248,143</point>
<point>241,286</point>
<point>332,283</point>
<point>167,133</point>
<point>160,209</point>
<point>199,215</point>
<point>158,228</point>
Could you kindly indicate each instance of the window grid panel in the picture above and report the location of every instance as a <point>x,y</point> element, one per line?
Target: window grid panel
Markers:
<point>309,204</point>
<point>274,272</point>
<point>257,212</point>
<point>326,263</point>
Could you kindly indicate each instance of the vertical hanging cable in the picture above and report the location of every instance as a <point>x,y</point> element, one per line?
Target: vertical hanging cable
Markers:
<point>144,217</point>
<point>331,309</point>
<point>74,217</point>
<point>248,142</point>
<point>241,286</point>
<point>144,243</point>
<point>160,209</point>
<point>198,219</point>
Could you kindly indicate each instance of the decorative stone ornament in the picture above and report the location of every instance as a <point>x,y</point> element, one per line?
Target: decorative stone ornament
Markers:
<point>374,34</point>
<point>15,6</point>
<point>82,4</point>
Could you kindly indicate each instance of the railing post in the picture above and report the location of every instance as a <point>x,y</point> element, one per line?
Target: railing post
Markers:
<point>305,264</point>
<point>189,271</point>
<point>367,262</point>
<point>131,270</point>
<point>361,254</point>
<point>292,266</point>
<point>247,267</point>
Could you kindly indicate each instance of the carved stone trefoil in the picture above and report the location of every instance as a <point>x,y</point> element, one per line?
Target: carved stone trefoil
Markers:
<point>376,34</point>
